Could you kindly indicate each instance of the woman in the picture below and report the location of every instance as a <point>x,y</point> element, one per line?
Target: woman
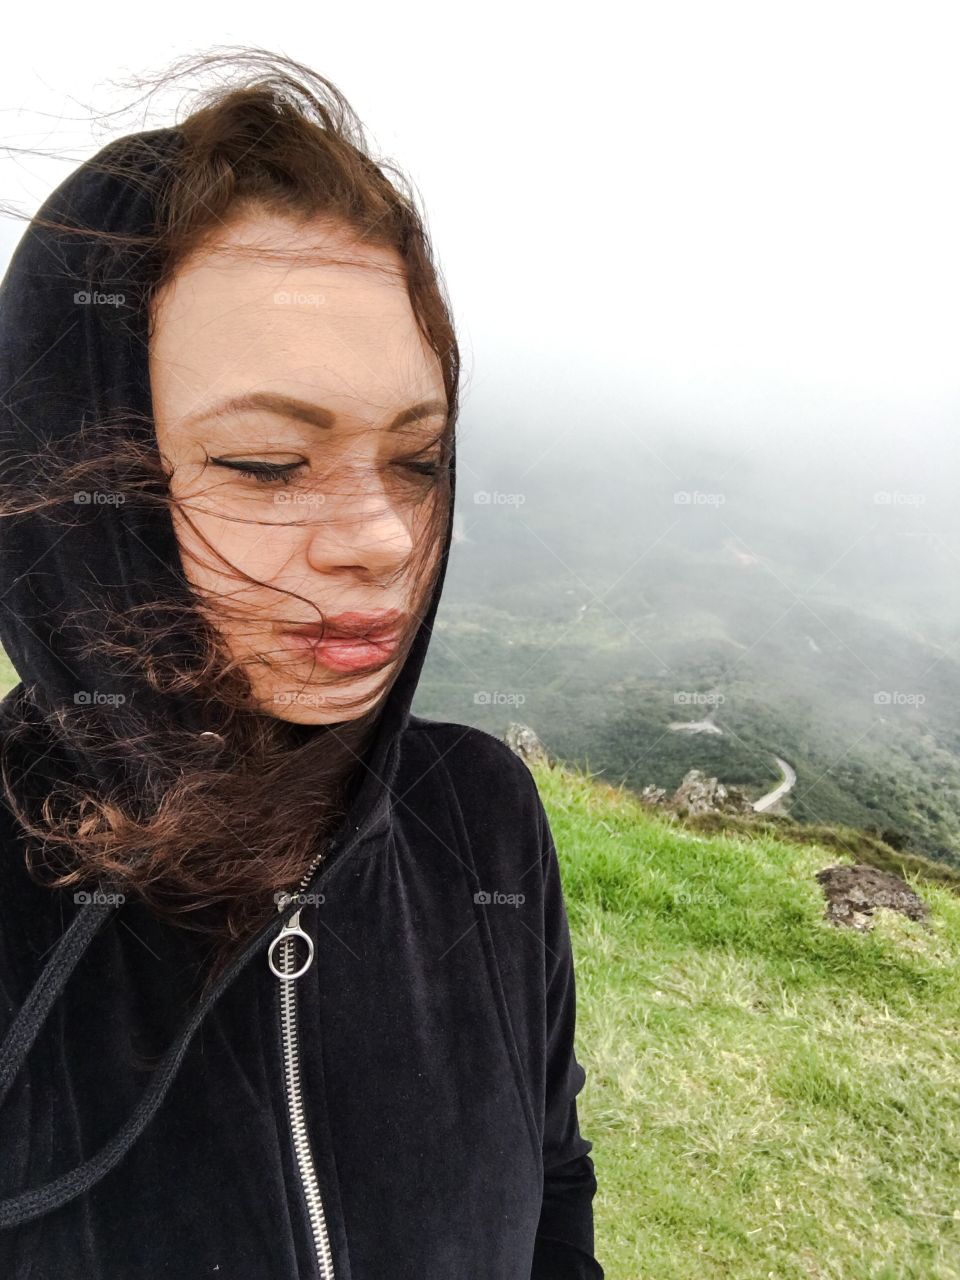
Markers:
<point>286,984</point>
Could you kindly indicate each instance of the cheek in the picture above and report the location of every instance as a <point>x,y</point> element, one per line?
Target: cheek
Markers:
<point>216,551</point>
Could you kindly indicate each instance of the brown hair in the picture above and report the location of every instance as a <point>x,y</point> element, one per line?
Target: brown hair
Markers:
<point>223,836</point>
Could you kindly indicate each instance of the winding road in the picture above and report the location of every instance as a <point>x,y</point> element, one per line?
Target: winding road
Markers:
<point>770,799</point>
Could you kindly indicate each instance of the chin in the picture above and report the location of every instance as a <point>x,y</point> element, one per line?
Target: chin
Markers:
<point>326,706</point>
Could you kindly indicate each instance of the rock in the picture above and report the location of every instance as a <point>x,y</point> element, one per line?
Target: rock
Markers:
<point>523,742</point>
<point>653,795</point>
<point>698,794</point>
<point>853,893</point>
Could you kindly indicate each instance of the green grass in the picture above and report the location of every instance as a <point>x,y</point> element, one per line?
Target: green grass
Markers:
<point>768,1096</point>
<point>8,676</point>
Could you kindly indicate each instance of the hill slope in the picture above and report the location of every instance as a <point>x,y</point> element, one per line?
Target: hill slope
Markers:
<point>767,1095</point>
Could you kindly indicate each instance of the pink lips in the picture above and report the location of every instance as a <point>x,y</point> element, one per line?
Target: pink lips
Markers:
<point>350,641</point>
<point>342,654</point>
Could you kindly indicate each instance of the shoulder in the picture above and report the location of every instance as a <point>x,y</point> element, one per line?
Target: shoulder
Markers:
<point>494,787</point>
<point>468,753</point>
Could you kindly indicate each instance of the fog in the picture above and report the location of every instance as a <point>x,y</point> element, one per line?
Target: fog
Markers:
<point>719,222</point>
<point>704,265</point>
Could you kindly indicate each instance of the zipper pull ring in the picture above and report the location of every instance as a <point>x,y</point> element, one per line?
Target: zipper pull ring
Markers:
<point>290,930</point>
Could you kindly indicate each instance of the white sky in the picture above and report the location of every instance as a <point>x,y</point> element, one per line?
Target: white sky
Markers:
<point>739,218</point>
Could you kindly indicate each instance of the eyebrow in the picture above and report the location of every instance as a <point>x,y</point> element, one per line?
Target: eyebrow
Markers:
<point>305,411</point>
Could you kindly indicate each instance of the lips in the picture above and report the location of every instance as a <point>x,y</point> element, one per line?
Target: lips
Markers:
<point>381,626</point>
<point>350,641</point>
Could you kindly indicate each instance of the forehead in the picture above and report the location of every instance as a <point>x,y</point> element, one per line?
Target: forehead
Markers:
<point>263,307</point>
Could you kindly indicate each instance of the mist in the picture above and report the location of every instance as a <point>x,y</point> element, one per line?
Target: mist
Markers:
<point>704,270</point>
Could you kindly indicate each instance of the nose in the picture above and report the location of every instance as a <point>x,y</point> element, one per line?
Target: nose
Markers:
<point>361,532</point>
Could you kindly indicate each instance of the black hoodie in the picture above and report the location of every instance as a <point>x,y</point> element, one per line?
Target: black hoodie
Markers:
<point>403,1110</point>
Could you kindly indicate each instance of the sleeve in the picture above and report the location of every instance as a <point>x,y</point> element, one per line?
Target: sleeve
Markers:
<point>564,1240</point>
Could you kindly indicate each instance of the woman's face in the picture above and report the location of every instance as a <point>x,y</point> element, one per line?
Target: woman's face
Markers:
<point>321,483</point>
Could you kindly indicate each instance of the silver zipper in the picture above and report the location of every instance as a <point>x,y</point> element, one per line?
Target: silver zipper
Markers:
<point>291,1060</point>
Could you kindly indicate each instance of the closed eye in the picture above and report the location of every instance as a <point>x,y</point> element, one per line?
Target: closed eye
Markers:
<point>431,469</point>
<point>283,472</point>
<point>264,472</point>
<point>421,465</point>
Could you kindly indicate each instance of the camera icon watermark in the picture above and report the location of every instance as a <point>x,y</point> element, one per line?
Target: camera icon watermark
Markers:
<point>299,698</point>
<point>282,899</point>
<point>299,499</point>
<point>92,297</point>
<point>295,298</point>
<point>694,498</point>
<point>94,698</point>
<point>705,897</point>
<point>692,698</point>
<point>494,498</point>
<point>895,498</point>
<point>486,898</point>
<point>82,897</point>
<point>97,498</point>
<point>498,698</point>
<point>897,698</point>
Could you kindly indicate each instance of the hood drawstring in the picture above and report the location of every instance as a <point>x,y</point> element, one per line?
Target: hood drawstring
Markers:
<point>33,1013</point>
<point>37,1201</point>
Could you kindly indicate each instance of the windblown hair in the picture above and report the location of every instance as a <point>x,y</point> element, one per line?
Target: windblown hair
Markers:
<point>225,830</point>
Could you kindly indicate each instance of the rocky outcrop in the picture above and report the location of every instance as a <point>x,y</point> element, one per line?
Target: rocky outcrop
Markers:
<point>522,741</point>
<point>854,893</point>
<point>698,794</point>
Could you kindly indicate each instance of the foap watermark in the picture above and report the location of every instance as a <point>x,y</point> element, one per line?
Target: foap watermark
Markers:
<point>693,897</point>
<point>489,898</point>
<point>692,698</point>
<point>299,499</point>
<point>97,498</point>
<point>897,698</point>
<point>93,298</point>
<point>694,498</point>
<point>94,698</point>
<point>294,298</point>
<point>498,698</point>
<point>895,498</point>
<point>494,498</point>
<point>82,897</point>
<point>282,899</point>
<point>299,698</point>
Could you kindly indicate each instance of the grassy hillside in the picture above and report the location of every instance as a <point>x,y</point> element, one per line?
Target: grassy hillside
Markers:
<point>8,676</point>
<point>767,1095</point>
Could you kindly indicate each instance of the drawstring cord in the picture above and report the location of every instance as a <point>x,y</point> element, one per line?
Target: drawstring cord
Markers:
<point>26,1025</point>
<point>37,1201</point>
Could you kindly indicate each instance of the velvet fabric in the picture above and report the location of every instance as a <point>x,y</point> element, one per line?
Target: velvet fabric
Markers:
<point>145,1133</point>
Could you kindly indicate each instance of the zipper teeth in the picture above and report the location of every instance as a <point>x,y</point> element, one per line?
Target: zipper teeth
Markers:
<point>308,1175</point>
<point>301,1142</point>
<point>308,874</point>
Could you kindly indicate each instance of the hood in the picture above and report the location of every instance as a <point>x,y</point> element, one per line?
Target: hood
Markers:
<point>64,362</point>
